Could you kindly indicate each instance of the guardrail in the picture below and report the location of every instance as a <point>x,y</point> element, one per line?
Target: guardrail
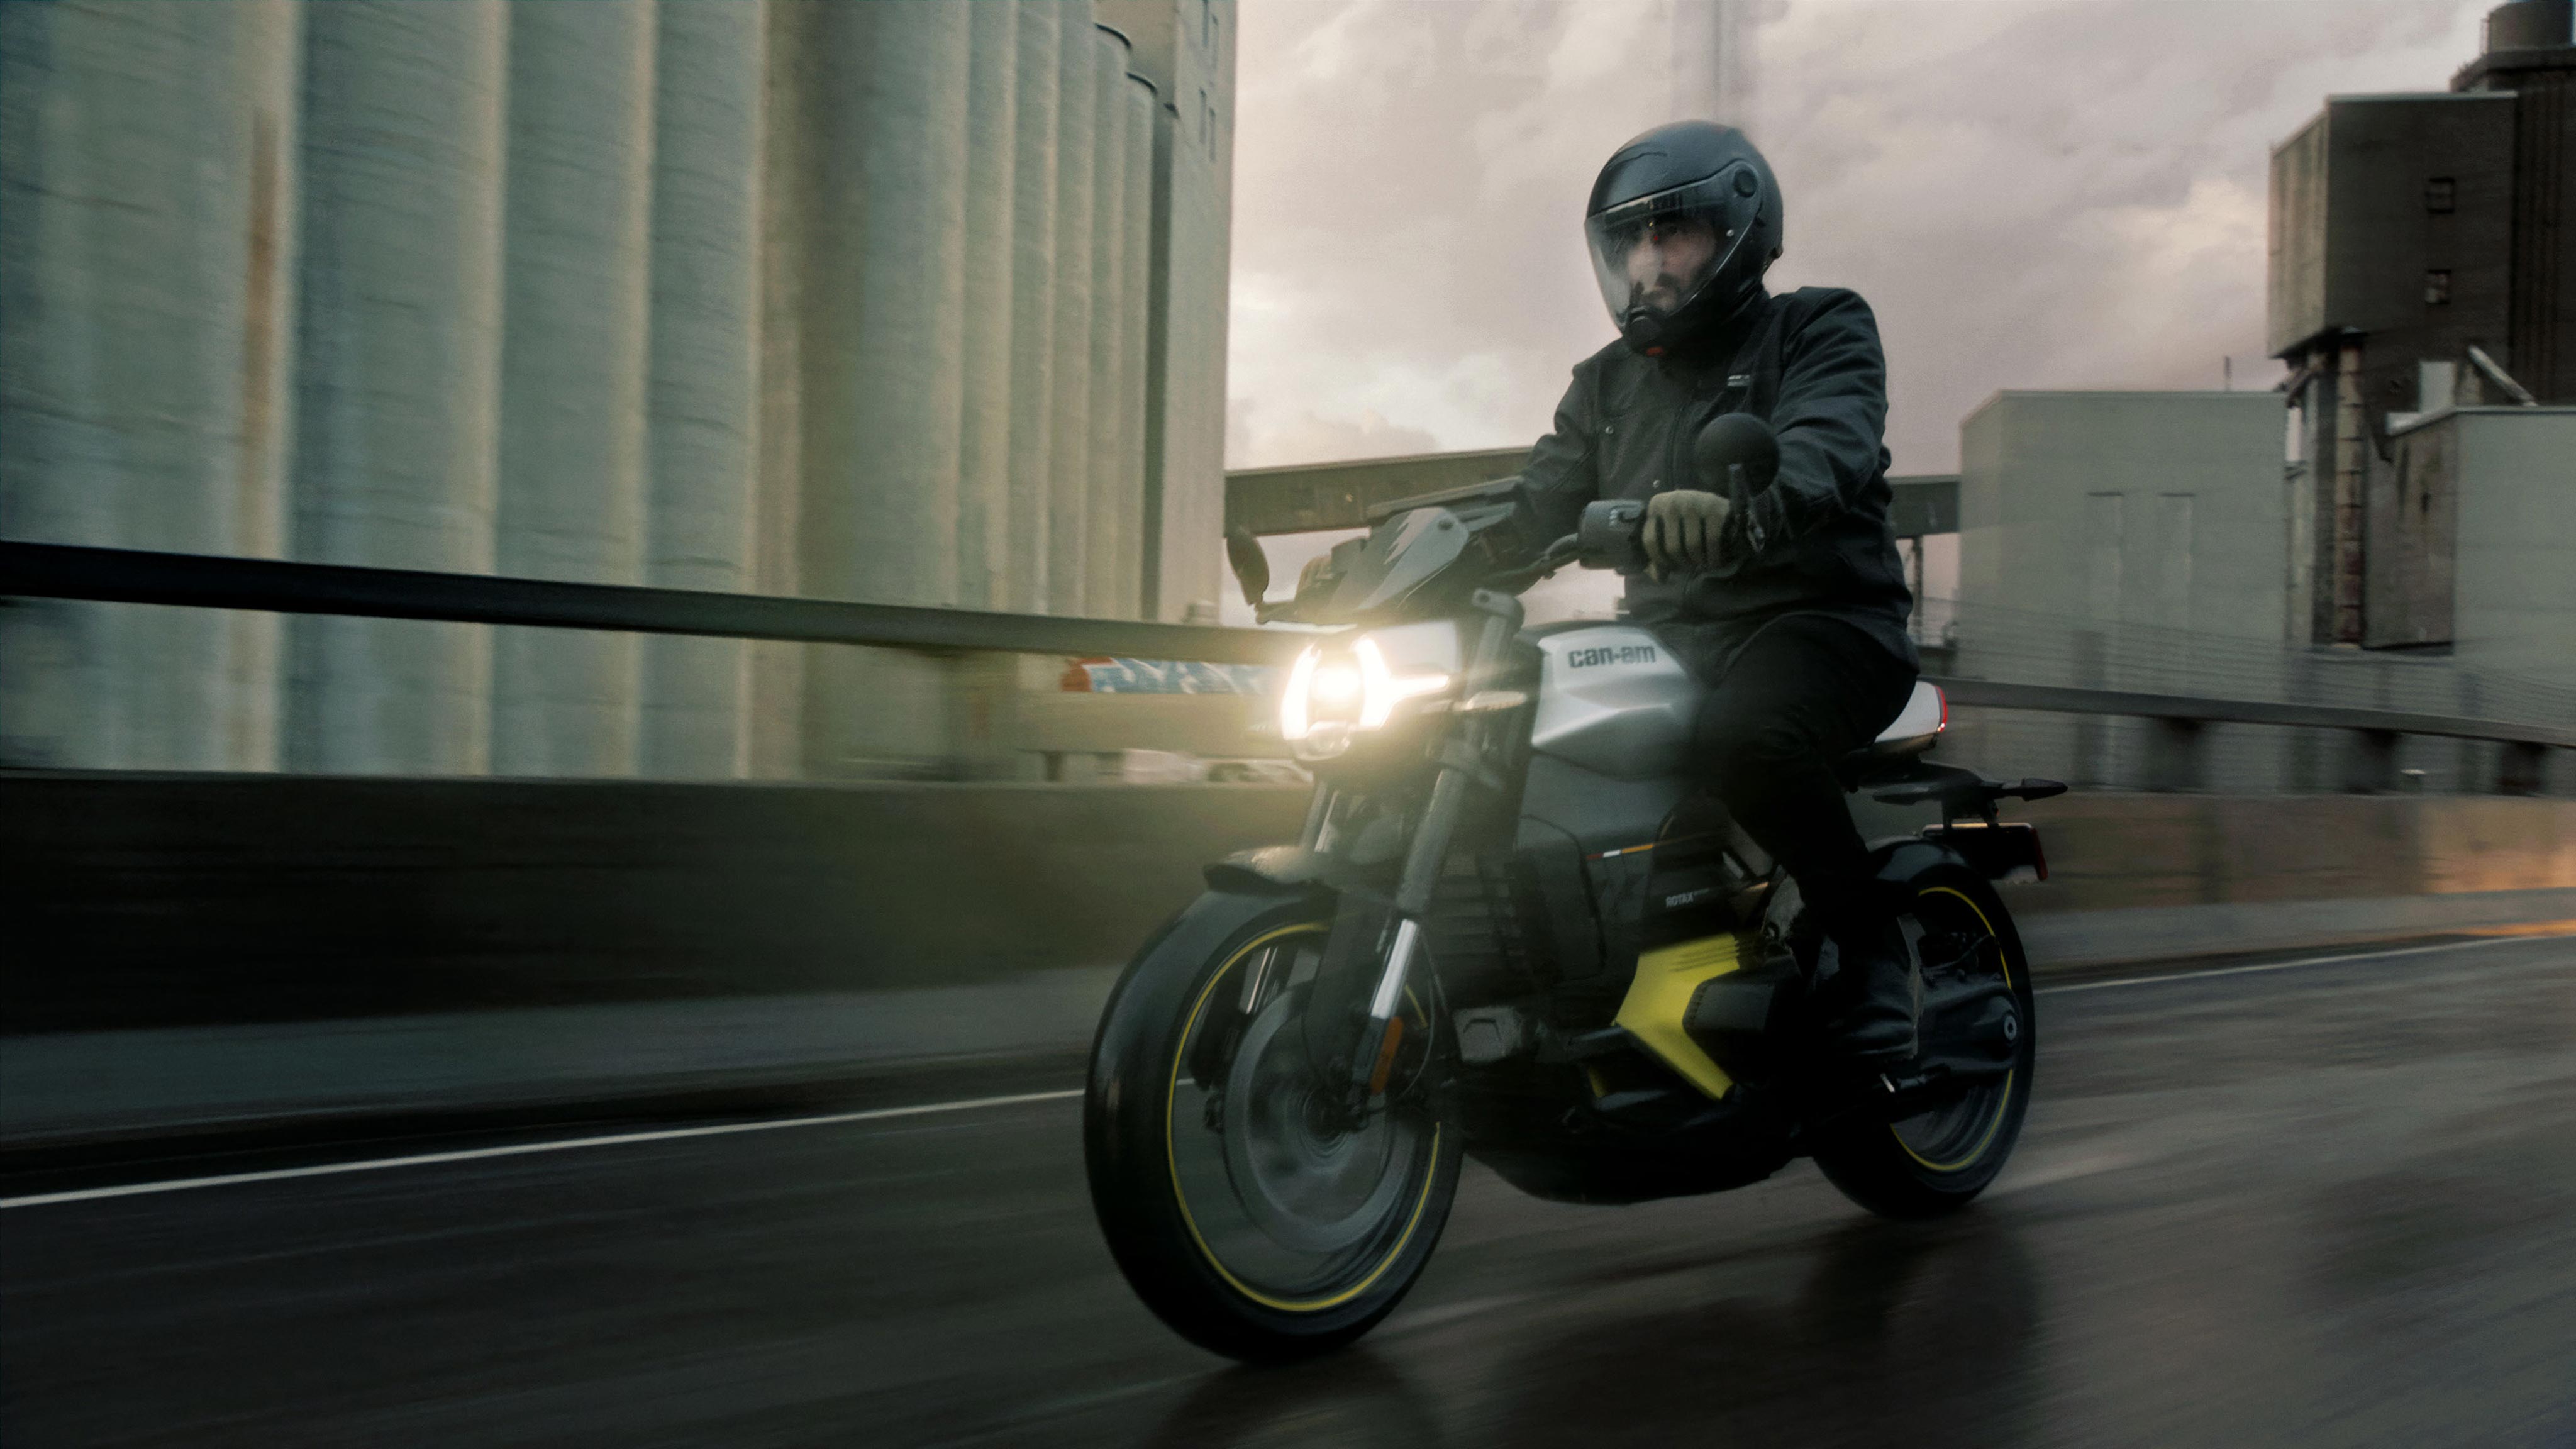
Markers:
<point>137,576</point>
<point>2196,710</point>
<point>140,576</point>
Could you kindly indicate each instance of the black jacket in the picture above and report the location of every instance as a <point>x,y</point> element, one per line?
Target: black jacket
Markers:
<point>1816,541</point>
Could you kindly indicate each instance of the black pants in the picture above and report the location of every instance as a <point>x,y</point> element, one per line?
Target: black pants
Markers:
<point>1799,695</point>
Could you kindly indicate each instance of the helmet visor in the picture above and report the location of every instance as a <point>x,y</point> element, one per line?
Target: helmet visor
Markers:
<point>1656,254</point>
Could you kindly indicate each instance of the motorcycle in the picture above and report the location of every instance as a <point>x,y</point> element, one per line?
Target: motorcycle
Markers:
<point>1513,927</point>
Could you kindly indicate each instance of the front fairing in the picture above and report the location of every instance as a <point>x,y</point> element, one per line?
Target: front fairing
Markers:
<point>1396,563</point>
<point>1423,557</point>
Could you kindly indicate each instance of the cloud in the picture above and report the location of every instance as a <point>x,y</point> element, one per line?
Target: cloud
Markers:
<point>2031,193</point>
<point>1308,435</point>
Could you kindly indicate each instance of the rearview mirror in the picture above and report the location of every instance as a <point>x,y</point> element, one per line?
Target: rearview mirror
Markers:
<point>1251,565</point>
<point>1736,440</point>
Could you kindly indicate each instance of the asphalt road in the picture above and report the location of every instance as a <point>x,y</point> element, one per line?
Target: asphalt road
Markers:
<point>2328,1205</point>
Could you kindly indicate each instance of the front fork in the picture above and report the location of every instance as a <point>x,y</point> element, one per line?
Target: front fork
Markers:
<point>1477,715</point>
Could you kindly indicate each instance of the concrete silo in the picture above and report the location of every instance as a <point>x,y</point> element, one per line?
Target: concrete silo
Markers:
<point>147,243</point>
<point>1069,388</point>
<point>575,297</point>
<point>1108,323</point>
<point>1186,48</point>
<point>703,391</point>
<point>398,365</point>
<point>984,450</point>
<point>915,303</point>
<point>884,376</point>
<point>892,293</point>
<point>1127,503</point>
<point>791,108</point>
<point>1039,81</point>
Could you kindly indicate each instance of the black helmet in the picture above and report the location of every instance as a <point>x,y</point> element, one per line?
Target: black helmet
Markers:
<point>1702,204</point>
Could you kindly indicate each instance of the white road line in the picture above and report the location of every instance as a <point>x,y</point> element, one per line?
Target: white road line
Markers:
<point>2262,966</point>
<point>673,1134</point>
<point>523,1149</point>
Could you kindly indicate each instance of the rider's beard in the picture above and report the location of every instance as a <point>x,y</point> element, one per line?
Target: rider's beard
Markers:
<point>1661,295</point>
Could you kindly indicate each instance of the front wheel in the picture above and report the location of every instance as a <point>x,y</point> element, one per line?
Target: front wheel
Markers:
<point>1937,1161</point>
<point>1243,1209</point>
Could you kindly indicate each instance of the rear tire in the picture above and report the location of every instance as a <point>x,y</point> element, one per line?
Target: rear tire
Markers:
<point>1246,1223</point>
<point>1938,1162</point>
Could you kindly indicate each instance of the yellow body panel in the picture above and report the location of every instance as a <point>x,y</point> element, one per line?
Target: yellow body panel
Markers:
<point>1659,999</point>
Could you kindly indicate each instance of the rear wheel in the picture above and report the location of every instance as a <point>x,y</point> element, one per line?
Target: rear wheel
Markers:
<point>1245,1211</point>
<point>1938,1161</point>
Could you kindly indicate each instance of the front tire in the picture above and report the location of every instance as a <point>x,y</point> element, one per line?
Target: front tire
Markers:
<point>1242,1215</point>
<point>1937,1162</point>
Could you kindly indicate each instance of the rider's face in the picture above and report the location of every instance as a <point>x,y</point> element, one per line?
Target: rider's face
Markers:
<point>1668,257</point>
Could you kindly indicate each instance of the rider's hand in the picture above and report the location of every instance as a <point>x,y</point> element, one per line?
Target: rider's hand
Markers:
<point>1681,531</point>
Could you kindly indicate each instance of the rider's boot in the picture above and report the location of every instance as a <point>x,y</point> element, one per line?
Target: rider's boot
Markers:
<point>1874,990</point>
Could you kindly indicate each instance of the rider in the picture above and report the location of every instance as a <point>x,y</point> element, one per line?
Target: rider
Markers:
<point>1788,599</point>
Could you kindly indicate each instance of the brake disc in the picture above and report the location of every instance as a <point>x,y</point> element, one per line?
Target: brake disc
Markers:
<point>1301,1172</point>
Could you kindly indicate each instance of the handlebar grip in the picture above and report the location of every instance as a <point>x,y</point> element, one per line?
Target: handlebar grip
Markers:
<point>1612,535</point>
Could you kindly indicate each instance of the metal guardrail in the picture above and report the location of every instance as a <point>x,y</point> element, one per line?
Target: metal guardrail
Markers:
<point>2193,709</point>
<point>137,576</point>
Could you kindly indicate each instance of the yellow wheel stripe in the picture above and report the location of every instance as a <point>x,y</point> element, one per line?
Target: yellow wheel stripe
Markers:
<point>1171,1154</point>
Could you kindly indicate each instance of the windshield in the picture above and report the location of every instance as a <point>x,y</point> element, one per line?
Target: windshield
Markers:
<point>1400,556</point>
<point>1444,544</point>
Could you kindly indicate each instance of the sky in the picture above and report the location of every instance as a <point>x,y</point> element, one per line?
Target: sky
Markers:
<point>2029,193</point>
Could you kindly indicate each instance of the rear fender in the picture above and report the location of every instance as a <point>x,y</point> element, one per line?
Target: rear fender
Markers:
<point>1907,866</point>
<point>1899,863</point>
<point>2007,852</point>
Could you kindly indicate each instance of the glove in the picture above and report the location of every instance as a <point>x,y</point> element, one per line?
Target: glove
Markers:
<point>1681,531</point>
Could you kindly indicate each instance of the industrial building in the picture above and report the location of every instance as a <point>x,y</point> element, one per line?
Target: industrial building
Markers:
<point>2492,494</point>
<point>2416,547</point>
<point>918,303</point>
<point>2423,256</point>
<point>2104,509</point>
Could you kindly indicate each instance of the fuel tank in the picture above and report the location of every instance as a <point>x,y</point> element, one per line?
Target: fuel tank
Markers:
<point>1608,793</point>
<point>1612,700</point>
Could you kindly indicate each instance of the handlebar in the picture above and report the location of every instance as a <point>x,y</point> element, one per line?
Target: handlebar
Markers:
<point>1735,452</point>
<point>1613,535</point>
<point>1555,556</point>
<point>1610,535</point>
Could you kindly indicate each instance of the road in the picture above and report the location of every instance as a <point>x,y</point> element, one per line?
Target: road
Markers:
<point>2327,1205</point>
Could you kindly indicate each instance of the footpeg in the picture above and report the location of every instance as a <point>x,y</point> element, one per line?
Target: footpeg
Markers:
<point>1896,1086</point>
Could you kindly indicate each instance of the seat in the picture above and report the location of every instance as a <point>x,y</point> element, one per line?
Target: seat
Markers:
<point>1916,728</point>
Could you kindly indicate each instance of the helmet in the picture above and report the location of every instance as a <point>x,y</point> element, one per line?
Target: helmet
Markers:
<point>1683,222</point>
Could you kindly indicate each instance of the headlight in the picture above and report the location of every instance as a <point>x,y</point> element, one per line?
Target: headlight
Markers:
<point>1360,683</point>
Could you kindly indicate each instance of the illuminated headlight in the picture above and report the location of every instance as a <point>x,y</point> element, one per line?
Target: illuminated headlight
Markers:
<point>1360,684</point>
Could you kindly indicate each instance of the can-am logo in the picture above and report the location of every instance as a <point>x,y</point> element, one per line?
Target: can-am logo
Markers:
<point>1610,654</point>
